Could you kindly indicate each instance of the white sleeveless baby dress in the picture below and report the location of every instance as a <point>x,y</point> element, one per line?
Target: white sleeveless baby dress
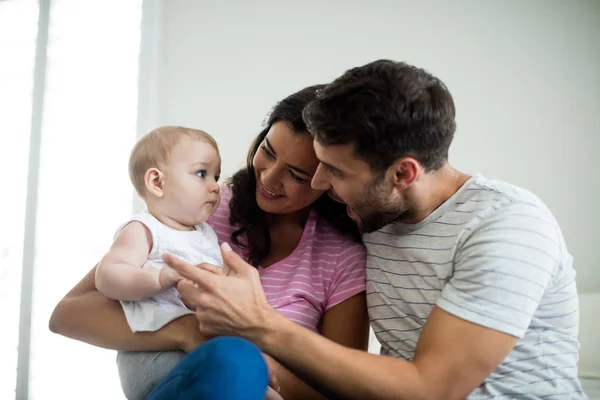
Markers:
<point>197,246</point>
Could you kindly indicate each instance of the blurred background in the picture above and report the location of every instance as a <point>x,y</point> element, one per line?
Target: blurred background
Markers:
<point>80,80</point>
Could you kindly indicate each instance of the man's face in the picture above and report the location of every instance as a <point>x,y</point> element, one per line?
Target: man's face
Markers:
<point>371,201</point>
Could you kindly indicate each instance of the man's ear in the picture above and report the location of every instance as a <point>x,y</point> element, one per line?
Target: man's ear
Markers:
<point>404,172</point>
<point>154,182</point>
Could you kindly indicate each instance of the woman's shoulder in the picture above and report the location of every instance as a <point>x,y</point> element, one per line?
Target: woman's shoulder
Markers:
<point>341,260</point>
<point>327,235</point>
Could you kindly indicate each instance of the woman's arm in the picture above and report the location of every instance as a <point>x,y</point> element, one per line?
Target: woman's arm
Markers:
<point>347,324</point>
<point>87,315</point>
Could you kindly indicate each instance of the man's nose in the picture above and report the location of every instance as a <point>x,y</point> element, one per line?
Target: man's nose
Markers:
<point>319,180</point>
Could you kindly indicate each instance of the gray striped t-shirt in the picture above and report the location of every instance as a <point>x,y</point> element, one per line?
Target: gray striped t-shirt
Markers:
<point>494,255</point>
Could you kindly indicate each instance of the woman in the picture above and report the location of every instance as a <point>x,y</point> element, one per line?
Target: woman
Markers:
<point>305,247</point>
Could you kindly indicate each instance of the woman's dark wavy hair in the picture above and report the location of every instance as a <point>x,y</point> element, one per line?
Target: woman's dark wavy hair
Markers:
<point>246,216</point>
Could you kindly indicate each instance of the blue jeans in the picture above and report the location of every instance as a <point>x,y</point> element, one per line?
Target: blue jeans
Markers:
<point>224,368</point>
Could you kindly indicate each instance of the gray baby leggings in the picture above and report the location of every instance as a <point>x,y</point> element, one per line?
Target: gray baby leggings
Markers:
<point>141,371</point>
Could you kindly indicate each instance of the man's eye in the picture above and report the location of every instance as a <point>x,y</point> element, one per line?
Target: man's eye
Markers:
<point>201,173</point>
<point>334,172</point>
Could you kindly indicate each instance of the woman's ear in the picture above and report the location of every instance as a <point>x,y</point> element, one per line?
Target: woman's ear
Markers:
<point>154,182</point>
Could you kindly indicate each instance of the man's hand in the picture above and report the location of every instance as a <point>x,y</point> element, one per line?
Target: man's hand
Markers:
<point>272,394</point>
<point>273,391</point>
<point>233,304</point>
<point>168,278</point>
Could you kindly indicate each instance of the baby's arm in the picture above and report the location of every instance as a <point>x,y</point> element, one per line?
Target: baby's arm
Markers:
<point>120,275</point>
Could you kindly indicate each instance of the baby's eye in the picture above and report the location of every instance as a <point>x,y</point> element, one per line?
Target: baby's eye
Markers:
<point>201,173</point>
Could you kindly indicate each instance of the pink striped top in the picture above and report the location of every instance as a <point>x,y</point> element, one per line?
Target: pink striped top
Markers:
<point>325,269</point>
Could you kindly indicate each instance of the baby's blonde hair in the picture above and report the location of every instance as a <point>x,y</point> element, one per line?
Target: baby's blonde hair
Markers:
<point>154,148</point>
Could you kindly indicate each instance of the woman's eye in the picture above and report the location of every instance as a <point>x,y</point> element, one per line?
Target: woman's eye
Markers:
<point>267,152</point>
<point>201,173</point>
<point>297,178</point>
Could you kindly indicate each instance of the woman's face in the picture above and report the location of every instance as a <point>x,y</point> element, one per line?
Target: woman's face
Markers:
<point>284,165</point>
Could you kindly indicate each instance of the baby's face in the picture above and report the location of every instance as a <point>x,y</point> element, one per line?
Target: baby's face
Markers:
<point>191,191</point>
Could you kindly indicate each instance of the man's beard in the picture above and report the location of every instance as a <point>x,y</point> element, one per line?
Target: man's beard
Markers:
<point>375,209</point>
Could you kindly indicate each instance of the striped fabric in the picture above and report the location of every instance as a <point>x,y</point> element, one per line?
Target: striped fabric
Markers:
<point>493,255</point>
<point>325,269</point>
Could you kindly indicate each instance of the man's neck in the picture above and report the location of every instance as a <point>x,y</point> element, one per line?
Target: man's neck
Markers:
<point>434,190</point>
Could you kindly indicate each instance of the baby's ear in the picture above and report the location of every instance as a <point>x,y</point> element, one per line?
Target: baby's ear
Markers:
<point>154,182</point>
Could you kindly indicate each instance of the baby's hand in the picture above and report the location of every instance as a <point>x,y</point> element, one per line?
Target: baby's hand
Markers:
<point>168,278</point>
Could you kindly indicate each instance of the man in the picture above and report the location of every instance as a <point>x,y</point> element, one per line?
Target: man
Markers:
<point>470,288</point>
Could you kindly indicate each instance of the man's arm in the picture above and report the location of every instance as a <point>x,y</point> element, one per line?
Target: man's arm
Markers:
<point>453,357</point>
<point>119,274</point>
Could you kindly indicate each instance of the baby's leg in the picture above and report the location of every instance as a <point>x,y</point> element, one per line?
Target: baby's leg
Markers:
<point>140,372</point>
<point>224,368</point>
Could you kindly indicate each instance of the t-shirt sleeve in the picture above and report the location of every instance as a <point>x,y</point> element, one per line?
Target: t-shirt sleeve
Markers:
<point>503,268</point>
<point>349,276</point>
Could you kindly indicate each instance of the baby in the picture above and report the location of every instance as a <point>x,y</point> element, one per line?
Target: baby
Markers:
<point>175,171</point>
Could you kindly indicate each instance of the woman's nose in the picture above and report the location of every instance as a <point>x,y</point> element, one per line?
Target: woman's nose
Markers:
<point>271,176</point>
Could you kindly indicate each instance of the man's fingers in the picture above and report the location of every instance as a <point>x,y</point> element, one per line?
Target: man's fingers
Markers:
<point>233,262</point>
<point>271,365</point>
<point>177,264</point>
<point>212,268</point>
<point>204,279</point>
<point>188,303</point>
<point>188,292</point>
<point>188,299</point>
<point>273,382</point>
<point>272,394</point>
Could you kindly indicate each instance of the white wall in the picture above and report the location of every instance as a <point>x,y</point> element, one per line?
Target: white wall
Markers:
<point>525,76</point>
